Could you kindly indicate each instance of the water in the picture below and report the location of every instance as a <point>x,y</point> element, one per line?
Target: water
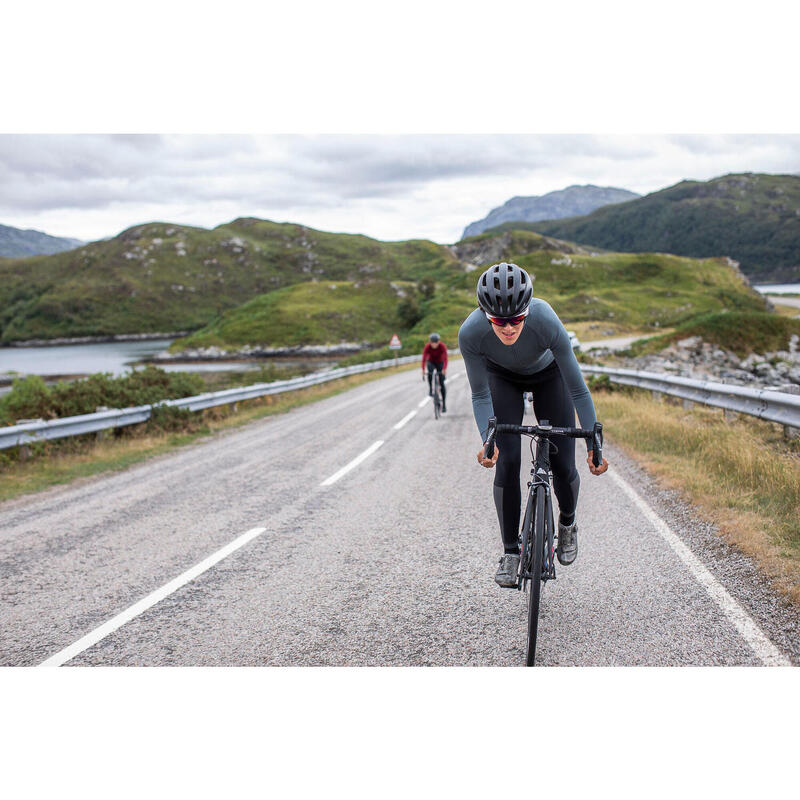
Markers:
<point>777,288</point>
<point>86,359</point>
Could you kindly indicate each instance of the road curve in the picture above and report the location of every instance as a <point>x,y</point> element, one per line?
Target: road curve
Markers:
<point>390,564</point>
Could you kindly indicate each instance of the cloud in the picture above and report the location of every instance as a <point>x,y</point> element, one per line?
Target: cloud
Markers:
<point>385,186</point>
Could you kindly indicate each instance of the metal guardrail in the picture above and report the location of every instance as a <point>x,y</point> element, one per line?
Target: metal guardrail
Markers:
<point>38,430</point>
<point>762,403</point>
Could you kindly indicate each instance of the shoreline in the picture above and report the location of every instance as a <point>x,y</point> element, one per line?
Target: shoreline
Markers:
<point>110,339</point>
<point>261,353</point>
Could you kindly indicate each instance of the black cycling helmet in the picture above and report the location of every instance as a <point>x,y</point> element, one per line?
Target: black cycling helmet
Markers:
<point>434,337</point>
<point>504,290</point>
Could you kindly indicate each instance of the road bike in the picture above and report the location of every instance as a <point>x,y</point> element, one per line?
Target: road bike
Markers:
<point>437,395</point>
<point>538,532</point>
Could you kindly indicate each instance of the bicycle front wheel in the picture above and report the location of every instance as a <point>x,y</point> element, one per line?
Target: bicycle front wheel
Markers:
<point>437,397</point>
<point>535,584</point>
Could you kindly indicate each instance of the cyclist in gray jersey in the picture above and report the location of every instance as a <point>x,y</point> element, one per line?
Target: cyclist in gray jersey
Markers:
<point>512,344</point>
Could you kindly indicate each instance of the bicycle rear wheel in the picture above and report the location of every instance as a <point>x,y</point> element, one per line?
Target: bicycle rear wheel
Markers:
<point>535,583</point>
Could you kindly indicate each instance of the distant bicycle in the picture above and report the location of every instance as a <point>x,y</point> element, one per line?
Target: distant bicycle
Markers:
<point>437,395</point>
<point>538,532</point>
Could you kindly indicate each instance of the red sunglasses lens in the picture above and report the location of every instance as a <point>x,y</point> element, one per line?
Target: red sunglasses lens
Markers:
<point>503,321</point>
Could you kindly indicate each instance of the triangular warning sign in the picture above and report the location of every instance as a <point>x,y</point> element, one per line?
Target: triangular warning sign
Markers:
<point>395,342</point>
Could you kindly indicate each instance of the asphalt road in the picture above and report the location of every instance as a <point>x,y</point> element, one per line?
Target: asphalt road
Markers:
<point>784,301</point>
<point>614,343</point>
<point>391,564</point>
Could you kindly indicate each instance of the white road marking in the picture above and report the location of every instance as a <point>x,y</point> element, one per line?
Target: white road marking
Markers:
<point>167,589</point>
<point>406,418</point>
<point>353,464</point>
<point>422,402</point>
<point>742,621</point>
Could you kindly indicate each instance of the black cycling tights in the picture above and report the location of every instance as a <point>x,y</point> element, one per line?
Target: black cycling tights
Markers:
<point>551,401</point>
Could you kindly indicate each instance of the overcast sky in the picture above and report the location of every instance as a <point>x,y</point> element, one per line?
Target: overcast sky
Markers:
<point>389,187</point>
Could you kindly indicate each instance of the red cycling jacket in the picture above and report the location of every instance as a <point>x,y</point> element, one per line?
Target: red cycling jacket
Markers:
<point>436,355</point>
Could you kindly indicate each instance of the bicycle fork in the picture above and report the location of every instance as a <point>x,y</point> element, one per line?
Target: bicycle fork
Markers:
<point>540,476</point>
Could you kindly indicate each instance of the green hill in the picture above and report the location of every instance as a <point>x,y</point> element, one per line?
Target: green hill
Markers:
<point>321,312</point>
<point>262,283</point>
<point>162,277</point>
<point>634,290</point>
<point>752,218</point>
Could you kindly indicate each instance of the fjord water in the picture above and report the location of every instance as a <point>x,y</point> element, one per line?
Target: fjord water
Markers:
<point>86,359</point>
<point>778,288</point>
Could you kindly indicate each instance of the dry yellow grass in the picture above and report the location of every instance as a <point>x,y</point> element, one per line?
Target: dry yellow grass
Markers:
<point>787,311</point>
<point>741,475</point>
<point>591,331</point>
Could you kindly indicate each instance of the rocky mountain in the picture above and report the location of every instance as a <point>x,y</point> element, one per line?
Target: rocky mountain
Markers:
<point>18,243</point>
<point>570,202</point>
<point>750,217</point>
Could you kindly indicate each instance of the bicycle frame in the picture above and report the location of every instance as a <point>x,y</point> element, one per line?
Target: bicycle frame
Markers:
<point>541,476</point>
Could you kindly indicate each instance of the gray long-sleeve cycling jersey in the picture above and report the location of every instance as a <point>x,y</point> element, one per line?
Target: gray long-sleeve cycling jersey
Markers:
<point>543,340</point>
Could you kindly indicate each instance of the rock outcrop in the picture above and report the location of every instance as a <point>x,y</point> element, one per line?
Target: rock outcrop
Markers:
<point>694,358</point>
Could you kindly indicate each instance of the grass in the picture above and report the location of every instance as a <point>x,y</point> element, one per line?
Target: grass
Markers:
<point>790,312</point>
<point>740,332</point>
<point>61,462</point>
<point>742,475</point>
<point>308,313</point>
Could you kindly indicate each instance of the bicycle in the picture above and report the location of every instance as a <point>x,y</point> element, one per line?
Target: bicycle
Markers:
<point>537,534</point>
<point>437,395</point>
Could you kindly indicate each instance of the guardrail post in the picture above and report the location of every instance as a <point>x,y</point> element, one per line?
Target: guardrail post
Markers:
<point>791,433</point>
<point>100,435</point>
<point>730,416</point>
<point>24,452</point>
<point>232,407</point>
<point>657,395</point>
<point>688,405</point>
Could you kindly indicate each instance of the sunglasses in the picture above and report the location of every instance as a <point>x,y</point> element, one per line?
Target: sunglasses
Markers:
<point>501,322</point>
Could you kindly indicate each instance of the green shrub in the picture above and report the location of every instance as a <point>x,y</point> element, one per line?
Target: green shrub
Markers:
<point>601,383</point>
<point>168,419</point>
<point>31,397</point>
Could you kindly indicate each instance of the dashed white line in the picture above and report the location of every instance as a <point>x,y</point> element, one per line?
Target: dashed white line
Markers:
<point>406,418</point>
<point>353,464</point>
<point>167,589</point>
<point>742,621</point>
<point>107,628</point>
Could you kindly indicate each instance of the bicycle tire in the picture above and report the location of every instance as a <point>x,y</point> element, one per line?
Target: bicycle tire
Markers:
<point>535,583</point>
<point>525,538</point>
<point>437,397</point>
